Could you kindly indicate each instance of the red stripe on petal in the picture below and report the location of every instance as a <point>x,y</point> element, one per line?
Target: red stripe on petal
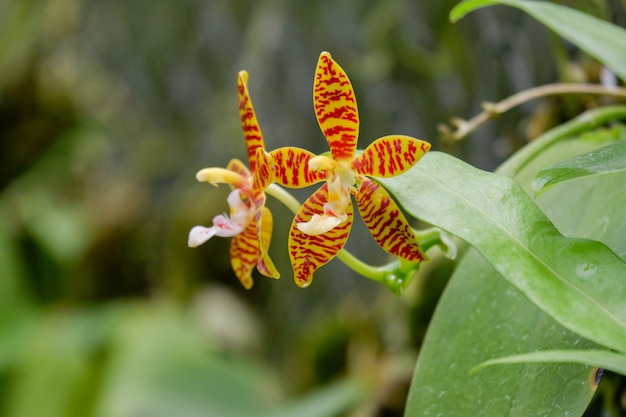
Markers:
<point>386,222</point>
<point>244,254</point>
<point>264,173</point>
<point>389,156</point>
<point>239,167</point>
<point>291,168</point>
<point>250,125</point>
<point>335,107</point>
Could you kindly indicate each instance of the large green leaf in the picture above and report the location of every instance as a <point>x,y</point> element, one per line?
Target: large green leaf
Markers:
<point>610,159</point>
<point>602,40</point>
<point>494,215</point>
<point>481,317</point>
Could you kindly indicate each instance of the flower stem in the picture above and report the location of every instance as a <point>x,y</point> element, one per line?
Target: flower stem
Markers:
<point>282,195</point>
<point>428,238</point>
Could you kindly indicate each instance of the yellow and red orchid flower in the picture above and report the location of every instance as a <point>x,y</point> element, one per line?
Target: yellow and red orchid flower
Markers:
<point>249,222</point>
<point>322,225</point>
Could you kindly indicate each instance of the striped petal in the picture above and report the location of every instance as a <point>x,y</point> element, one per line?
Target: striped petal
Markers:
<point>390,156</point>
<point>263,174</point>
<point>244,254</point>
<point>335,108</point>
<point>264,225</point>
<point>251,129</point>
<point>291,168</point>
<point>308,253</point>
<point>239,167</point>
<point>386,222</point>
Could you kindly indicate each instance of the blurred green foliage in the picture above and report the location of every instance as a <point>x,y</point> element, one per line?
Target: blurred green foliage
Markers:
<point>107,110</point>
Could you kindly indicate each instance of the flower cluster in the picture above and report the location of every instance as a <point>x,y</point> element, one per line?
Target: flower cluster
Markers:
<point>322,224</point>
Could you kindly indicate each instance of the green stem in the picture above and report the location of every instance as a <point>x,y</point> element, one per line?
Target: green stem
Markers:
<point>372,272</point>
<point>282,195</point>
<point>586,121</point>
<point>362,268</point>
<point>428,238</point>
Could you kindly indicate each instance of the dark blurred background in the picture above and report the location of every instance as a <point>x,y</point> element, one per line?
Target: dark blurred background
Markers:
<point>107,110</point>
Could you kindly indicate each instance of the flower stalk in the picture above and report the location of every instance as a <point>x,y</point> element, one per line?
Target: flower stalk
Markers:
<point>395,275</point>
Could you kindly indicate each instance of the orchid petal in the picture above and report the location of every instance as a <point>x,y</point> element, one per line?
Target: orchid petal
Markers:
<point>263,175</point>
<point>338,197</point>
<point>222,227</point>
<point>265,229</point>
<point>386,223</point>
<point>251,129</point>
<point>390,156</point>
<point>307,252</point>
<point>216,176</point>
<point>200,234</point>
<point>244,254</point>
<point>240,212</point>
<point>239,167</point>
<point>334,210</point>
<point>225,227</point>
<point>264,224</point>
<point>291,167</point>
<point>336,108</point>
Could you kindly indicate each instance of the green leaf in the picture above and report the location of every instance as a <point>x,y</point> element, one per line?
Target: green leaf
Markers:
<point>604,161</point>
<point>481,316</point>
<point>602,40</point>
<point>569,279</point>
<point>611,361</point>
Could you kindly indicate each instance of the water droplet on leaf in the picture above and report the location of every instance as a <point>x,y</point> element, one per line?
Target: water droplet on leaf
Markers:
<point>585,270</point>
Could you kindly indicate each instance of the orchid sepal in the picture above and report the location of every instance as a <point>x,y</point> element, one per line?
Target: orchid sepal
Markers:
<point>264,224</point>
<point>291,167</point>
<point>335,107</point>
<point>386,223</point>
<point>389,156</point>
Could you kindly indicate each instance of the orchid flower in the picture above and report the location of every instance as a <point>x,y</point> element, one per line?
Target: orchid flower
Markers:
<point>322,225</point>
<point>249,222</point>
